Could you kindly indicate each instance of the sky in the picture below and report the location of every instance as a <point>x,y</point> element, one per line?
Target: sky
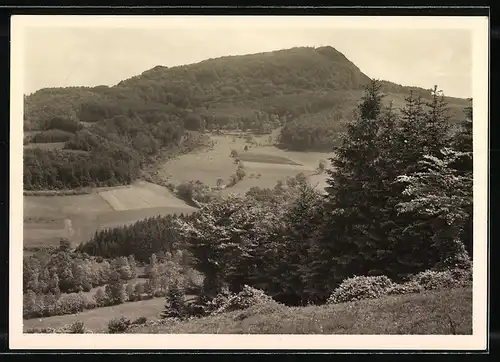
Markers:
<point>66,55</point>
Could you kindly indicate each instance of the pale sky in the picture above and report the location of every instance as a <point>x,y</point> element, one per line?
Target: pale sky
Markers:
<point>102,55</point>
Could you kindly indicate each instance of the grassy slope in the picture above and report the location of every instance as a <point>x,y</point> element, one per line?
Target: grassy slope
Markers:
<point>425,313</point>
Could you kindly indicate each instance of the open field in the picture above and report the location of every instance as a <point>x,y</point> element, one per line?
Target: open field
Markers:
<point>425,313</point>
<point>97,319</point>
<point>265,158</point>
<point>271,162</point>
<point>44,216</point>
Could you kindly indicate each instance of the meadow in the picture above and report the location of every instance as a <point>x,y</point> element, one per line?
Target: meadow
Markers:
<point>264,163</point>
<point>77,217</point>
<point>431,312</point>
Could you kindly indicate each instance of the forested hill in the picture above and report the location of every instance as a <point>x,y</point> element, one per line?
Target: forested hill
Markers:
<point>285,82</point>
<point>302,87</point>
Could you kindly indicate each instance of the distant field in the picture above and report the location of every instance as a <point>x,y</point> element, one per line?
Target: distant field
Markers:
<point>97,319</point>
<point>44,215</point>
<point>140,197</point>
<point>272,163</point>
<point>265,158</point>
<point>114,206</point>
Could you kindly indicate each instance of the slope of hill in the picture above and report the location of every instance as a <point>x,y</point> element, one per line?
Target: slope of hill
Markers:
<point>118,129</point>
<point>433,312</point>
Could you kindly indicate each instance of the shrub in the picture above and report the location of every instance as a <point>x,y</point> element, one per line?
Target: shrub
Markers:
<point>405,288</point>
<point>140,320</point>
<point>118,325</point>
<point>321,166</point>
<point>452,278</point>
<point>71,303</point>
<point>360,287</point>
<point>240,171</point>
<point>91,304</point>
<point>77,327</point>
<point>233,180</point>
<point>227,302</point>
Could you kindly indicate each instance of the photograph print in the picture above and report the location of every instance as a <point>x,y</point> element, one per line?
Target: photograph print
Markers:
<point>249,182</point>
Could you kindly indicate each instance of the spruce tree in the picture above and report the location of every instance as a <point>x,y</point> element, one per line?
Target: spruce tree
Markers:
<point>424,131</point>
<point>175,303</point>
<point>350,235</point>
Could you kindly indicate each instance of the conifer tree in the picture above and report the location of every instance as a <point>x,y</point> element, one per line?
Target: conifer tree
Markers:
<point>349,239</point>
<point>175,304</point>
<point>302,221</point>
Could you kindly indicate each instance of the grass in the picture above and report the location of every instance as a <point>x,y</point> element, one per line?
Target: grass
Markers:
<point>140,197</point>
<point>113,206</point>
<point>266,158</point>
<point>44,215</point>
<point>425,313</point>
<point>97,319</point>
<point>46,146</point>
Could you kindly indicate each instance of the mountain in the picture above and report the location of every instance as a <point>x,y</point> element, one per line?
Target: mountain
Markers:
<point>129,122</point>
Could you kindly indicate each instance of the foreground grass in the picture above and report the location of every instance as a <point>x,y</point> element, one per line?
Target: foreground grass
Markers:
<point>425,313</point>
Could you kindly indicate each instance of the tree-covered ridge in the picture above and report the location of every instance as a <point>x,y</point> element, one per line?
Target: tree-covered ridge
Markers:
<point>245,80</point>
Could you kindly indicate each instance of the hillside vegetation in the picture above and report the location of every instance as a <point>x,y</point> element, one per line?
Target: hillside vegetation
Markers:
<point>394,219</point>
<point>118,130</point>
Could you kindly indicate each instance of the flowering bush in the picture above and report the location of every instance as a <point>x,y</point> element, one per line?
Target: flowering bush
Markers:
<point>361,287</point>
<point>451,278</point>
<point>227,302</point>
<point>405,288</point>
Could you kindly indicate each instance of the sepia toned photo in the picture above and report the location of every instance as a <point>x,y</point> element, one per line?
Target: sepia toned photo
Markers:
<point>249,182</point>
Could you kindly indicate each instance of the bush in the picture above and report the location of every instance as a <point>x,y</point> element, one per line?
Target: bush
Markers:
<point>118,325</point>
<point>71,303</point>
<point>432,280</point>
<point>91,304</point>
<point>77,327</point>
<point>227,302</point>
<point>100,298</point>
<point>405,288</point>
<point>361,287</point>
<point>140,320</point>
<point>321,166</point>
